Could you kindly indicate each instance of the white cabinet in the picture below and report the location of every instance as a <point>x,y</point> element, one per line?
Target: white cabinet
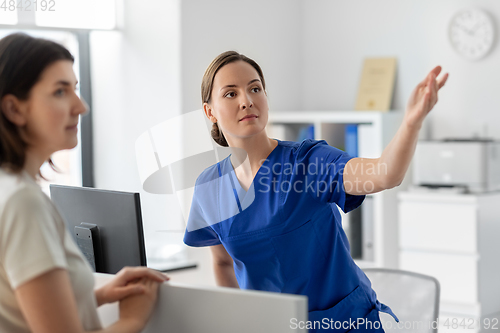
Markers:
<point>455,238</point>
<point>375,131</point>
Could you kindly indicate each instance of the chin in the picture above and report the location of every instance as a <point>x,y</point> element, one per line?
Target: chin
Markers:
<point>71,144</point>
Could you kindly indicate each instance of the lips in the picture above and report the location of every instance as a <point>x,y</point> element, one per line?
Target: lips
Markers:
<point>249,116</point>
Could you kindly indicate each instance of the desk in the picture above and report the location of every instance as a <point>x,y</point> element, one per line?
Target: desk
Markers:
<point>189,309</point>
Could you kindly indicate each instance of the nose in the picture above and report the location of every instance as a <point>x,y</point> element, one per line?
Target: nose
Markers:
<point>80,107</point>
<point>246,102</point>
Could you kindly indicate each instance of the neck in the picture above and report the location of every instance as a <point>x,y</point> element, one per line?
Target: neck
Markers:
<point>33,162</point>
<point>254,150</point>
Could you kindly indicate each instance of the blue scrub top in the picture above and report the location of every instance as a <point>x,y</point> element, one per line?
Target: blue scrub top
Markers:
<point>285,233</point>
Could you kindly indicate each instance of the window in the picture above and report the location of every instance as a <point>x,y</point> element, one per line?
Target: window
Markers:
<point>63,15</point>
<point>8,13</point>
<point>82,14</point>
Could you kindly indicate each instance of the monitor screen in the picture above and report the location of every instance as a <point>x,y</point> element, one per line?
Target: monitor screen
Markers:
<point>106,225</point>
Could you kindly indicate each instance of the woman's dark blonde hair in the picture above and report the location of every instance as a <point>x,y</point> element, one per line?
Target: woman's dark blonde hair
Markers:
<point>22,61</point>
<point>208,83</point>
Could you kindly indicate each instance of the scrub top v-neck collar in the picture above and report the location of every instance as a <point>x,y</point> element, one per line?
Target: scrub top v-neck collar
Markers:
<point>235,183</point>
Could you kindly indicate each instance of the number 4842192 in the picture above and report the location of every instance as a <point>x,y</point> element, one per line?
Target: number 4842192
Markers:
<point>28,5</point>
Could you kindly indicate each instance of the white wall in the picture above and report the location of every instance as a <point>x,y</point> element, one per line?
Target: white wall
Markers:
<point>136,85</point>
<point>339,34</point>
<point>270,32</point>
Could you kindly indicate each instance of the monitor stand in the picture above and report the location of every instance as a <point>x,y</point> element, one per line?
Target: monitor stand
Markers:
<point>89,242</point>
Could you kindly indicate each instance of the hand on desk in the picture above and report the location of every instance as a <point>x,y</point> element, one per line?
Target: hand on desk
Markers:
<point>128,282</point>
<point>136,309</point>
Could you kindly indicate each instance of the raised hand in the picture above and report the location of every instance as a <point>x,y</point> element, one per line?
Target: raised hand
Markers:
<point>424,97</point>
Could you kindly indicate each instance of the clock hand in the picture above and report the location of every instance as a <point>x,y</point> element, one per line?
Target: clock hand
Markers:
<point>475,28</point>
<point>464,29</point>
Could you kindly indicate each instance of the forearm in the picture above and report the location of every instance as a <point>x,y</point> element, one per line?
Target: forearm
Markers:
<point>224,275</point>
<point>396,157</point>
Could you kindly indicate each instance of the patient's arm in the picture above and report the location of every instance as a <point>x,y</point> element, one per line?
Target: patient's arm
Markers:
<point>49,306</point>
<point>223,267</point>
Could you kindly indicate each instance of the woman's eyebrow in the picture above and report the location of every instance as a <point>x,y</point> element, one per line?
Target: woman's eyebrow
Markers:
<point>64,83</point>
<point>234,85</point>
<point>254,80</point>
<point>229,86</point>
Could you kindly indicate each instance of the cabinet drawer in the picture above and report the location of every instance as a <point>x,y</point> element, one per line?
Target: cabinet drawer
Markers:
<point>438,226</point>
<point>457,274</point>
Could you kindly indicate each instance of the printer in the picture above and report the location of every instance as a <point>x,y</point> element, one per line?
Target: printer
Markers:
<point>473,164</point>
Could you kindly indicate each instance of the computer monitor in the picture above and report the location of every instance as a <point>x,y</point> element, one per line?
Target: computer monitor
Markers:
<point>106,225</point>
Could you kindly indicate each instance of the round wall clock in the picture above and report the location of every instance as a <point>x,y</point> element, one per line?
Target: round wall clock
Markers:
<point>472,33</point>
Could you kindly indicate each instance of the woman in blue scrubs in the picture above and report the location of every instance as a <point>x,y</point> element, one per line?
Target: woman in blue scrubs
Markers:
<point>269,210</point>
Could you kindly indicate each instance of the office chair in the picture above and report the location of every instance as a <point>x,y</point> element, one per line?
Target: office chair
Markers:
<point>413,297</point>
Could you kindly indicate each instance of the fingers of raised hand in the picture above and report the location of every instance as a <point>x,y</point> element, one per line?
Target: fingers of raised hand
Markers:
<point>433,89</point>
<point>436,70</point>
<point>442,80</point>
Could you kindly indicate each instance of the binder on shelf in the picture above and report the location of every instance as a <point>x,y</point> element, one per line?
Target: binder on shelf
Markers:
<point>306,132</point>
<point>351,139</point>
<point>355,233</point>
<point>367,229</point>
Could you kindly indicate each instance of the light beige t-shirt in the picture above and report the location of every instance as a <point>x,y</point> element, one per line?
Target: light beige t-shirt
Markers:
<point>33,241</point>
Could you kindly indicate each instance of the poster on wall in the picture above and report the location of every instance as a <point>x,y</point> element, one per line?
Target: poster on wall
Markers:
<point>377,84</point>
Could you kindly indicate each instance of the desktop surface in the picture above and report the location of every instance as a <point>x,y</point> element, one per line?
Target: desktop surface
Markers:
<point>190,309</point>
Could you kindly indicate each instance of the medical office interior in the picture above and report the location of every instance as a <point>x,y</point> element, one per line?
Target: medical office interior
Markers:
<point>140,65</point>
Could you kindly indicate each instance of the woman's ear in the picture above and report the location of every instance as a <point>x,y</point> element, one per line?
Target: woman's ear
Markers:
<point>12,109</point>
<point>209,112</point>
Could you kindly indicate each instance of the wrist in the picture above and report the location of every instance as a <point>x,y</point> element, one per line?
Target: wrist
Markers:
<point>132,324</point>
<point>126,325</point>
<point>412,125</point>
<point>99,296</point>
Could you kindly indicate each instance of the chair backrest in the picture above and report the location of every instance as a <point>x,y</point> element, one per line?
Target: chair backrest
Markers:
<point>413,297</point>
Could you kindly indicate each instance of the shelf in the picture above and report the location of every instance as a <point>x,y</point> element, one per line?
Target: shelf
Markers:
<point>345,117</point>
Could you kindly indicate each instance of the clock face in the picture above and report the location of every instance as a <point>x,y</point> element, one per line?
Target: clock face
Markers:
<point>472,33</point>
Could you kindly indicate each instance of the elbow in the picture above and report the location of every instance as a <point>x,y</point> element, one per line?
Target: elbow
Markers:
<point>222,263</point>
<point>396,183</point>
<point>391,183</point>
